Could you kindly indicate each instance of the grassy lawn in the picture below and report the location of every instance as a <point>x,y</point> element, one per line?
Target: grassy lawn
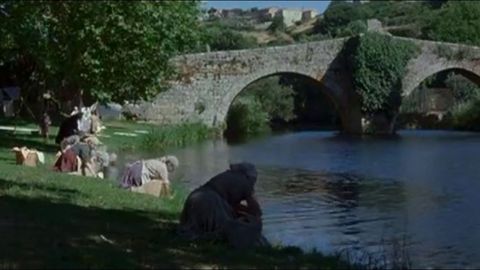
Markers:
<point>53,220</point>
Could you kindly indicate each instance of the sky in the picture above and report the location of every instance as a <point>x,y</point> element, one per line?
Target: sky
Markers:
<point>318,5</point>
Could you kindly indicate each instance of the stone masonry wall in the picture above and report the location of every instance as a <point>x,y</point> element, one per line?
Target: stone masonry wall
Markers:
<point>207,83</point>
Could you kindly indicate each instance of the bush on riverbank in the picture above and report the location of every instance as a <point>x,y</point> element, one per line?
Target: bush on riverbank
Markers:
<point>246,117</point>
<point>259,104</point>
<point>162,137</point>
<point>466,116</point>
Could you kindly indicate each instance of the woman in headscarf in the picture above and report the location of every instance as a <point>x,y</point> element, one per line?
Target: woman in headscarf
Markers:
<point>141,172</point>
<point>217,209</point>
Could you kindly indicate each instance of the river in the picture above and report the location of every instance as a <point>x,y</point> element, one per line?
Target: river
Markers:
<point>417,191</point>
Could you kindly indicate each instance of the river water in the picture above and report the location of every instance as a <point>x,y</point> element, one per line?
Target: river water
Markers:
<point>416,193</point>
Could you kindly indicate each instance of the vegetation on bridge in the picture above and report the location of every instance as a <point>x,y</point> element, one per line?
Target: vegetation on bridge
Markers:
<point>378,63</point>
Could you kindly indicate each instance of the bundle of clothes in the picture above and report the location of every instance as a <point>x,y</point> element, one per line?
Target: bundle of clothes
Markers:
<point>224,208</point>
<point>28,157</point>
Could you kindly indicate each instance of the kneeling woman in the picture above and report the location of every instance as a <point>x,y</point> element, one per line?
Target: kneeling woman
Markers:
<point>142,172</point>
<point>217,209</point>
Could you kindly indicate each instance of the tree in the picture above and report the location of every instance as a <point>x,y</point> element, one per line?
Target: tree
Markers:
<point>112,51</point>
<point>463,89</point>
<point>338,15</point>
<point>277,100</point>
<point>277,24</point>
<point>220,39</point>
<point>456,21</point>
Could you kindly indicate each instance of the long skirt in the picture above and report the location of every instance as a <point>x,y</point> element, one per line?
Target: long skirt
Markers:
<point>132,176</point>
<point>206,215</point>
<point>67,162</point>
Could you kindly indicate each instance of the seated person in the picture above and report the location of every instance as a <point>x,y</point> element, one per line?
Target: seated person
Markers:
<point>215,210</point>
<point>141,172</point>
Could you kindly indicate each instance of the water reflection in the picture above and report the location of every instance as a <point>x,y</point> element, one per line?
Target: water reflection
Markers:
<point>320,190</point>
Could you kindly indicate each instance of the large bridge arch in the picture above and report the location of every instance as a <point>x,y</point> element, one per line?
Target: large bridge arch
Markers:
<point>435,57</point>
<point>467,72</point>
<point>332,91</point>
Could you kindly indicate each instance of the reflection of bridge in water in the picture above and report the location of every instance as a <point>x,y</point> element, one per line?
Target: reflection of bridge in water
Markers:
<point>208,82</point>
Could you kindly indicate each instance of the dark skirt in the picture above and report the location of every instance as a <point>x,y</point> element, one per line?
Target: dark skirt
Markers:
<point>206,215</point>
<point>67,162</point>
<point>132,176</point>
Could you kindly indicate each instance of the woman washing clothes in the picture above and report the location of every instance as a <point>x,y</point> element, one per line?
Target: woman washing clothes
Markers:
<point>141,172</point>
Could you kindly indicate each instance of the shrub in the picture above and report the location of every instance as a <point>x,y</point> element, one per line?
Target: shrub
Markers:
<point>378,64</point>
<point>161,138</point>
<point>221,39</point>
<point>456,21</point>
<point>246,117</point>
<point>466,116</point>
<point>277,25</point>
<point>353,28</point>
<point>463,89</point>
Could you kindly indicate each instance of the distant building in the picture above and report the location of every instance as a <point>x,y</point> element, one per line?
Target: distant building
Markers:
<point>290,16</point>
<point>360,1</point>
<point>232,13</point>
<point>214,13</point>
<point>309,14</point>
<point>266,14</point>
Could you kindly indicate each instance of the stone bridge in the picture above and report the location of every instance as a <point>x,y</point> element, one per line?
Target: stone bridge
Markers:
<point>207,83</point>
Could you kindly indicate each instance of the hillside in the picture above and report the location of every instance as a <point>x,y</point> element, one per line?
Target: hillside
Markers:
<point>416,19</point>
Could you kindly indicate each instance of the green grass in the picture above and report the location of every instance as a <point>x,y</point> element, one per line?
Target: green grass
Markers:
<point>54,220</point>
<point>162,138</point>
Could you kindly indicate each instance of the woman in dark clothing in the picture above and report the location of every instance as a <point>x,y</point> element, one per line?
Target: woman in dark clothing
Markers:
<point>211,211</point>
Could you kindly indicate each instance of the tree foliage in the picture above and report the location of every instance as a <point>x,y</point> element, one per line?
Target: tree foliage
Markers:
<point>220,38</point>
<point>463,89</point>
<point>456,21</point>
<point>338,15</point>
<point>378,64</point>
<point>277,100</point>
<point>246,117</point>
<point>277,24</point>
<point>110,50</point>
<point>259,104</point>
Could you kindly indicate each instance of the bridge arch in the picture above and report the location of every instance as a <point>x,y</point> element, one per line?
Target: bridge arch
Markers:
<point>332,91</point>
<point>470,73</point>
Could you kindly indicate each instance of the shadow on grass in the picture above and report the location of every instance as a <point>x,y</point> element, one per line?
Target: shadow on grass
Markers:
<point>66,193</point>
<point>9,140</point>
<point>13,122</point>
<point>41,232</point>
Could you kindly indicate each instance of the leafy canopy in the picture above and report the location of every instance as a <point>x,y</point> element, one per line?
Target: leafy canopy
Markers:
<point>111,50</point>
<point>456,21</point>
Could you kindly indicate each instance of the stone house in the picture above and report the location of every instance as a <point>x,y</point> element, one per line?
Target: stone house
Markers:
<point>266,14</point>
<point>290,16</point>
<point>309,14</point>
<point>231,13</point>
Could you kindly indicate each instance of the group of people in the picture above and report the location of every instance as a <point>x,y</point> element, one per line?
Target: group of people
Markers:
<point>81,152</point>
<point>224,208</point>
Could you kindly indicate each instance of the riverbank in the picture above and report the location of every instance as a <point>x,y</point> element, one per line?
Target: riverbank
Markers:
<point>52,220</point>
